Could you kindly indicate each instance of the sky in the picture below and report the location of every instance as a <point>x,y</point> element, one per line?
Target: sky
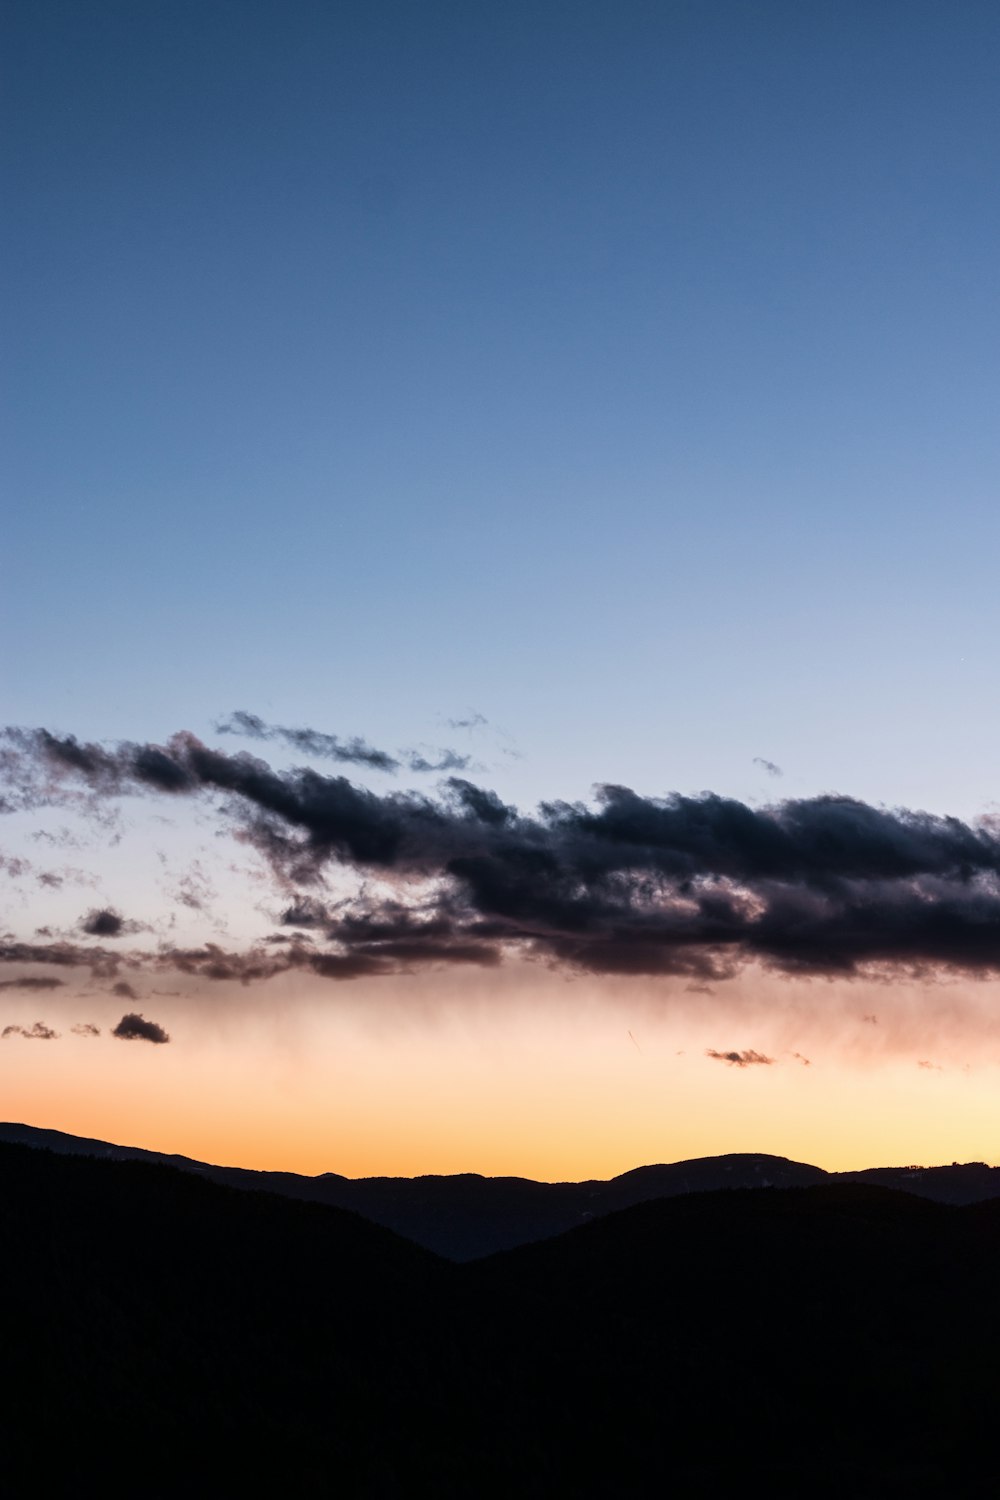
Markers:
<point>498,581</point>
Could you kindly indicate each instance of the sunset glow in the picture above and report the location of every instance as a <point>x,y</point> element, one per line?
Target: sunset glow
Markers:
<point>499,584</point>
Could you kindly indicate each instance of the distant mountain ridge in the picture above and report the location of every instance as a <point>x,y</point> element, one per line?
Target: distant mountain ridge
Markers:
<point>466,1216</point>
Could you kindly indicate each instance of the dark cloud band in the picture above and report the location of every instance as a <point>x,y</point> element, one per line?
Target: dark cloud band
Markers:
<point>629,885</point>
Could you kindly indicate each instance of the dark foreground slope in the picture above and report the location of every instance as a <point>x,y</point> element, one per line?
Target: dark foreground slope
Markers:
<point>840,1340</point>
<point>164,1335</point>
<point>167,1332</point>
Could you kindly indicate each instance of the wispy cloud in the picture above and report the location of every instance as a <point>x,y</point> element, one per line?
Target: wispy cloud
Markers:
<point>747,1059</point>
<point>353,751</point>
<point>30,982</point>
<point>101,963</point>
<point>39,1032</point>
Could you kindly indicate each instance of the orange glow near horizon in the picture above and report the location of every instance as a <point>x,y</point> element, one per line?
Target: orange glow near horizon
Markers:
<point>523,1075</point>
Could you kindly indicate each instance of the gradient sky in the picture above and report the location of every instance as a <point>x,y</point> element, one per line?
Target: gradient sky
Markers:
<point>605,394</point>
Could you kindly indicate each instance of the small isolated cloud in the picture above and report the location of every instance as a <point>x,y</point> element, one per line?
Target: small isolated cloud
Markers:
<point>30,983</point>
<point>805,1061</point>
<point>472,720</point>
<point>37,1033</point>
<point>930,1066</point>
<point>768,766</point>
<point>124,989</point>
<point>85,1028</point>
<point>103,922</point>
<point>870,1020</point>
<point>746,1059</point>
<point>135,1028</point>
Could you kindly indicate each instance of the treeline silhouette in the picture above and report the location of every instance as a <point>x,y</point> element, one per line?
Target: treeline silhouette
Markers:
<point>163,1334</point>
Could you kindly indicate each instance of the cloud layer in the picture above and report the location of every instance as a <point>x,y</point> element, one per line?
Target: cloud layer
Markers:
<point>628,885</point>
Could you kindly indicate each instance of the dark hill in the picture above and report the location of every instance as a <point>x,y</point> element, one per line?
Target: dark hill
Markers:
<point>467,1216</point>
<point>152,1318</point>
<point>841,1339</point>
<point>165,1335</point>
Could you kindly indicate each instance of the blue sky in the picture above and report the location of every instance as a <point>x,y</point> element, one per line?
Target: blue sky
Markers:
<point>619,381</point>
<point>625,373</point>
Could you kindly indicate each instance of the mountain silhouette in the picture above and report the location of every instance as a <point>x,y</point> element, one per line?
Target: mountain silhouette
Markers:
<point>466,1216</point>
<point>166,1334</point>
